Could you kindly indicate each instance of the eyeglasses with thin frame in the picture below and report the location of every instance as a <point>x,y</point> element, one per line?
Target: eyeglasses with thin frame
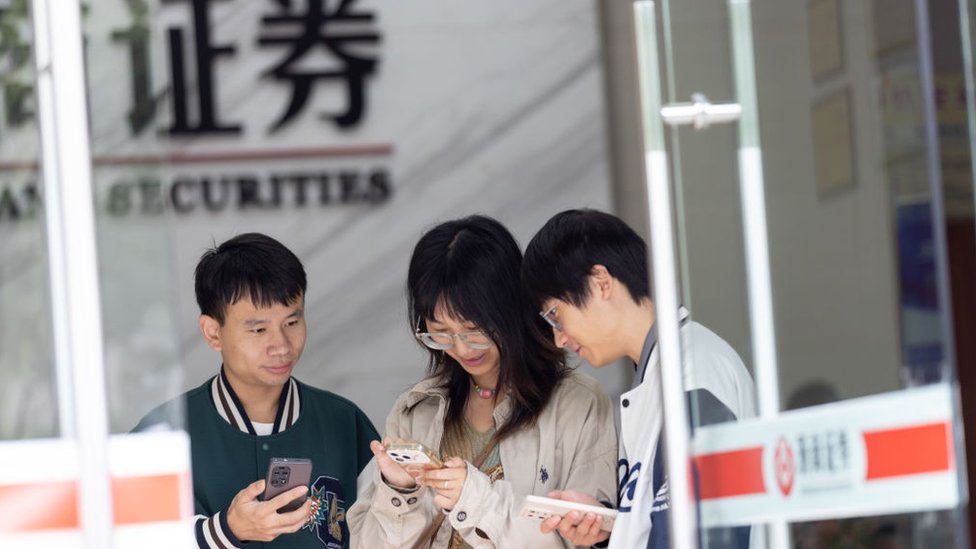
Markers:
<point>442,341</point>
<point>547,315</point>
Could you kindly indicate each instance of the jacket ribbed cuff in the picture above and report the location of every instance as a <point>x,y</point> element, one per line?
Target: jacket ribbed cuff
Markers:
<point>214,533</point>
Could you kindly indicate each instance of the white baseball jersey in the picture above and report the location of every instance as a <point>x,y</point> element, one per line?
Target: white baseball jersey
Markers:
<point>719,388</point>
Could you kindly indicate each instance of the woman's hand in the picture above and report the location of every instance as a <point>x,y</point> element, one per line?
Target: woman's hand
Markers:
<point>446,482</point>
<point>393,473</point>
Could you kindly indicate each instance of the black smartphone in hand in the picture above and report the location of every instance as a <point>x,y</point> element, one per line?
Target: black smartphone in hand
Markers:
<point>285,474</point>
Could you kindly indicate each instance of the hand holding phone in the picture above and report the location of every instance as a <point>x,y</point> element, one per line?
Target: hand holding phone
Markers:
<point>285,474</point>
<point>540,508</point>
<point>413,453</point>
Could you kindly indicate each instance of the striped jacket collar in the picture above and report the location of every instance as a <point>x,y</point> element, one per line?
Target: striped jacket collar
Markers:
<point>650,342</point>
<point>230,408</point>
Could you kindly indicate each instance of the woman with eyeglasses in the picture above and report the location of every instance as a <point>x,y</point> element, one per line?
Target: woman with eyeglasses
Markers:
<point>498,403</point>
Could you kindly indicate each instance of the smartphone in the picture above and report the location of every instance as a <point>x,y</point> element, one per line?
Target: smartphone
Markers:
<point>285,474</point>
<point>413,453</point>
<point>540,508</point>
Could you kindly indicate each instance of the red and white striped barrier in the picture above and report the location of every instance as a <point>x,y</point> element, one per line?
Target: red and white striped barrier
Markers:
<point>884,454</point>
<point>151,492</point>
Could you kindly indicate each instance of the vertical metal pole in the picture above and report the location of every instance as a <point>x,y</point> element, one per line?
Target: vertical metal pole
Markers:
<point>930,124</point>
<point>69,211</point>
<point>754,212</point>
<point>53,222</point>
<point>755,228</point>
<point>682,511</point>
<point>966,33</point>
<point>926,71</point>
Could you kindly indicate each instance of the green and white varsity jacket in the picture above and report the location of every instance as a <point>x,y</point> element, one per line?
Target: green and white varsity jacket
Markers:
<point>227,455</point>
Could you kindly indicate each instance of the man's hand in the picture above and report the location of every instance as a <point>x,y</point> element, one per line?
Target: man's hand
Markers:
<point>585,532</point>
<point>253,520</point>
<point>447,482</point>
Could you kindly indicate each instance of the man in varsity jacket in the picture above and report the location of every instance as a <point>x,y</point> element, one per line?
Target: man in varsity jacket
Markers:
<point>586,272</point>
<point>251,293</point>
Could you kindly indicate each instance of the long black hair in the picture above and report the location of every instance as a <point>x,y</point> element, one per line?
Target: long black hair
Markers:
<point>471,267</point>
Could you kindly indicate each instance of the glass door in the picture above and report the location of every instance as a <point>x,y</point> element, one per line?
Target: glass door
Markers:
<point>86,338</point>
<point>816,151</point>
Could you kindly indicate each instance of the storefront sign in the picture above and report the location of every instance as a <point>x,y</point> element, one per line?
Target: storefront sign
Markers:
<point>344,129</point>
<point>193,115</point>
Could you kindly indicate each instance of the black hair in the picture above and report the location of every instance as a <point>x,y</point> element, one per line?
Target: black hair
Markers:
<point>249,265</point>
<point>471,268</point>
<point>560,257</point>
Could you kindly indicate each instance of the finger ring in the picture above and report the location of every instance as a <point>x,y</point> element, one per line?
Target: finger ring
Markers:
<point>445,485</point>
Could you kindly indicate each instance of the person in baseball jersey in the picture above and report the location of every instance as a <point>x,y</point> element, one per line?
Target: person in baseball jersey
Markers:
<point>586,273</point>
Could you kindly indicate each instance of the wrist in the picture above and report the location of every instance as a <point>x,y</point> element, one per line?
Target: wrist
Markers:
<point>231,525</point>
<point>412,487</point>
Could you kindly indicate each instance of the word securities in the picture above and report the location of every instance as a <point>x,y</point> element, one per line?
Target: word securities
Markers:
<point>185,194</point>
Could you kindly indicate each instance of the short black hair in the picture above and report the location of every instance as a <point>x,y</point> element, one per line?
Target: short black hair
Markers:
<point>471,266</point>
<point>560,257</point>
<point>250,265</point>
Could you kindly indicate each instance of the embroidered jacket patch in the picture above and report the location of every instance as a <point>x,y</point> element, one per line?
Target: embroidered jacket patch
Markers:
<point>329,521</point>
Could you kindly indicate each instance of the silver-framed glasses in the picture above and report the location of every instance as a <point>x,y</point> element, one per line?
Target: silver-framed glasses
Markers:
<point>442,341</point>
<point>549,316</point>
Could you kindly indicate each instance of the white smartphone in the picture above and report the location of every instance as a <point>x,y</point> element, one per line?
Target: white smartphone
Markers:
<point>540,508</point>
<point>413,453</point>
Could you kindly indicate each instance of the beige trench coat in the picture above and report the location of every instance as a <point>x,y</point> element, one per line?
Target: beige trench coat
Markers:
<point>573,445</point>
